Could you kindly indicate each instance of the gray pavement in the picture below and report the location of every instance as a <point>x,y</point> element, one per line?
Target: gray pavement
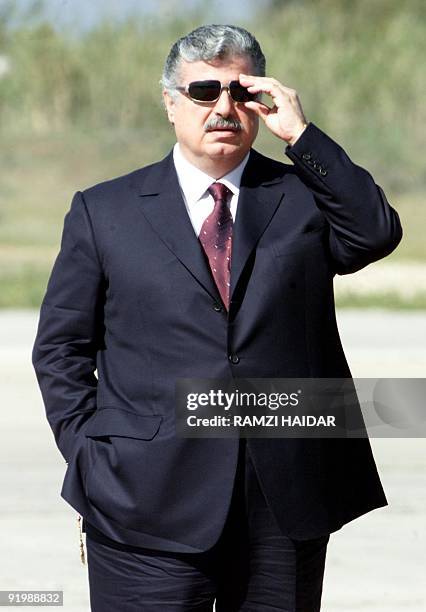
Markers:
<point>376,563</point>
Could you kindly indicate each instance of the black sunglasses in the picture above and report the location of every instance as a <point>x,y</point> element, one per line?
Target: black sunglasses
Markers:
<point>209,91</point>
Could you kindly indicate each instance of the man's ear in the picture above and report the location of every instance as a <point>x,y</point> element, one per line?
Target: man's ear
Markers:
<point>170,104</point>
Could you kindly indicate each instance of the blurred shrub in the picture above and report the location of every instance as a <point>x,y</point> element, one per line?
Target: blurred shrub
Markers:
<point>356,65</point>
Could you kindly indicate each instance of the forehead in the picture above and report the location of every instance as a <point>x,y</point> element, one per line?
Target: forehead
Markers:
<point>223,70</point>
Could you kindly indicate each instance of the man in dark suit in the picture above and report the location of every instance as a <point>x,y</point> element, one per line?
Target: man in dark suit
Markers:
<point>216,262</point>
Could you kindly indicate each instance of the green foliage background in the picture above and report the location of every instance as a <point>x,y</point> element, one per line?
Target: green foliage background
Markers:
<point>79,108</point>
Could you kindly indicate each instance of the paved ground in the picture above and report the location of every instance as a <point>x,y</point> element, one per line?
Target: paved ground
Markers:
<point>376,563</point>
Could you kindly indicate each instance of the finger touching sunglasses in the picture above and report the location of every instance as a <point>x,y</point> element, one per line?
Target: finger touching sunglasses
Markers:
<point>285,118</point>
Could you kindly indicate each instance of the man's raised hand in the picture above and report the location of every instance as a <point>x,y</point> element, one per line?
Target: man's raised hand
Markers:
<point>285,118</point>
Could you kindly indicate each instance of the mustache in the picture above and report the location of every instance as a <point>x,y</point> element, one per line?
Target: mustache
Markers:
<point>223,123</point>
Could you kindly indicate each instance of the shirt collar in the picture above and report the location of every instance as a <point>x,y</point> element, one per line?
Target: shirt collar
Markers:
<point>194,182</point>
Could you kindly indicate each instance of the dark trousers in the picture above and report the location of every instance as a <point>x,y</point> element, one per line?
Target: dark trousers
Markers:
<point>252,568</point>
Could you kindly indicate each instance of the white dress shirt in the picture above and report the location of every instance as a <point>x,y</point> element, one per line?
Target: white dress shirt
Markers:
<point>194,184</point>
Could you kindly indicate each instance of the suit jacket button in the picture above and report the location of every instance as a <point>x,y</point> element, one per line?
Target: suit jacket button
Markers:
<point>316,165</point>
<point>234,359</point>
<point>306,156</point>
<point>323,171</point>
<point>217,307</point>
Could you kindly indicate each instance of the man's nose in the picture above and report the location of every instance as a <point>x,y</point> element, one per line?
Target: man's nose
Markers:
<point>224,106</point>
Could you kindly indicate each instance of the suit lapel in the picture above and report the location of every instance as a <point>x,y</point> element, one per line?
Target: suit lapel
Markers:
<point>164,209</point>
<point>261,192</point>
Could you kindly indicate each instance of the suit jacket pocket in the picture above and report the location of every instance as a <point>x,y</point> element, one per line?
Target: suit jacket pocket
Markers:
<point>111,421</point>
<point>114,436</point>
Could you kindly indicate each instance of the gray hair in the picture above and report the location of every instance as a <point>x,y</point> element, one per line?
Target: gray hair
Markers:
<point>210,42</point>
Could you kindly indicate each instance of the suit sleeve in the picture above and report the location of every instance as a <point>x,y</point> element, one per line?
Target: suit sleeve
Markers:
<point>363,225</point>
<point>70,330</point>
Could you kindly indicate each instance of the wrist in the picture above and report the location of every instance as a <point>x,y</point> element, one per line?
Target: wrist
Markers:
<point>297,135</point>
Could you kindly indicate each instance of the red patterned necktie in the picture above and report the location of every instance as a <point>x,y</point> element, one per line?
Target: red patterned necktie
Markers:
<point>216,239</point>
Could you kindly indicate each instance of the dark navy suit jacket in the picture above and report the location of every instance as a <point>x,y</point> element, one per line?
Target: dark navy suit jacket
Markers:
<point>131,296</point>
